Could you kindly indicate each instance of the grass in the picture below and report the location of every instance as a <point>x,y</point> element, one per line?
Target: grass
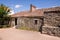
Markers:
<point>27,28</point>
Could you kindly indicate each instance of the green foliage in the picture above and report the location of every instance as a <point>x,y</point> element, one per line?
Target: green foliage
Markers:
<point>2,13</point>
<point>4,26</point>
<point>4,10</point>
<point>4,18</point>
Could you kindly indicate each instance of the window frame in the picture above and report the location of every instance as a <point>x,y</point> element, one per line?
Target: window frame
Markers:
<point>36,21</point>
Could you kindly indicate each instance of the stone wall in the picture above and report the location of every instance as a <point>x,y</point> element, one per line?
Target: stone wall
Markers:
<point>51,23</point>
<point>54,31</point>
<point>12,22</point>
<point>52,18</point>
<point>29,22</point>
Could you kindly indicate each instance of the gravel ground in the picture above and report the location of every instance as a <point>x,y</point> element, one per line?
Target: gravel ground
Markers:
<point>16,34</point>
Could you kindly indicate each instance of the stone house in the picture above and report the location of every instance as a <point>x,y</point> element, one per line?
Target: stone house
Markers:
<point>46,20</point>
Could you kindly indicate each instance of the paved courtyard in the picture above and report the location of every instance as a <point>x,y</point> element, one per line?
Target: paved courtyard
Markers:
<point>16,34</point>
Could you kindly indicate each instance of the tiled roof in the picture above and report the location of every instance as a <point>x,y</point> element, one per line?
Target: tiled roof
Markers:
<point>38,12</point>
<point>28,14</point>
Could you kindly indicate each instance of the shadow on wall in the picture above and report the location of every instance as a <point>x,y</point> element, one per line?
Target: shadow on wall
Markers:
<point>40,29</point>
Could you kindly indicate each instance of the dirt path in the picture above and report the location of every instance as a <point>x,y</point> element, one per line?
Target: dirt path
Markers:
<point>15,34</point>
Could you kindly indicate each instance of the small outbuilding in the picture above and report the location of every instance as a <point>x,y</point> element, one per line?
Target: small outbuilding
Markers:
<point>45,20</point>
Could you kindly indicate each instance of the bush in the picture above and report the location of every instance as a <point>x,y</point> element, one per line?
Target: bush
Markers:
<point>4,26</point>
<point>1,26</point>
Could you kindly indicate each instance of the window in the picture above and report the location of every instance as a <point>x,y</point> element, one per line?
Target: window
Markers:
<point>36,21</point>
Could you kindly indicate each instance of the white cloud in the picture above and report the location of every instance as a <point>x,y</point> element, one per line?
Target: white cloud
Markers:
<point>11,12</point>
<point>18,6</point>
<point>37,8</point>
<point>54,6</point>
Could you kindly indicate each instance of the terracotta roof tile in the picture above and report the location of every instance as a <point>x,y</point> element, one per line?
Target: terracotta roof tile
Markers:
<point>38,12</point>
<point>28,14</point>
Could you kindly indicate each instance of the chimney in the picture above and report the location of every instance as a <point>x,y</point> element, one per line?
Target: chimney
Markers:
<point>32,8</point>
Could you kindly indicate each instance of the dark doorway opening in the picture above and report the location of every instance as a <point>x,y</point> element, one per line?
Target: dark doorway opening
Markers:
<point>15,21</point>
<point>59,26</point>
<point>36,21</point>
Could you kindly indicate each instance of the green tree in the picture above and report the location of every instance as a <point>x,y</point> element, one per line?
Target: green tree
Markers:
<point>4,11</point>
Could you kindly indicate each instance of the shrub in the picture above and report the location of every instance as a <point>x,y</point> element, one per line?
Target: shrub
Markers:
<point>4,26</point>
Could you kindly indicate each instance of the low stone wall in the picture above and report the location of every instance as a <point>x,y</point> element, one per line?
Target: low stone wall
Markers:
<point>55,31</point>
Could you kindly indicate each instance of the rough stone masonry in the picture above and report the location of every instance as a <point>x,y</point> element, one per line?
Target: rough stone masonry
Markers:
<point>45,20</point>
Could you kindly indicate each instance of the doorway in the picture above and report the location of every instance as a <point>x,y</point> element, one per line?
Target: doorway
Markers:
<point>15,21</point>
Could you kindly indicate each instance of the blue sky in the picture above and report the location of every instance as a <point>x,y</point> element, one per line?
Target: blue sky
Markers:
<point>21,5</point>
